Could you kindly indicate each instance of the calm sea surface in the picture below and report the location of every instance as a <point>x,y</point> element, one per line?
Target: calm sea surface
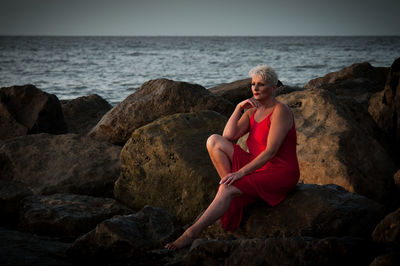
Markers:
<point>114,67</point>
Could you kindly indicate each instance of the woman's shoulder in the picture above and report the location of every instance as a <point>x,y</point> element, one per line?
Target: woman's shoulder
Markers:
<point>282,108</point>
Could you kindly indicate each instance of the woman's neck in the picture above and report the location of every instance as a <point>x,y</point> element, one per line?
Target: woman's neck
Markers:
<point>268,103</point>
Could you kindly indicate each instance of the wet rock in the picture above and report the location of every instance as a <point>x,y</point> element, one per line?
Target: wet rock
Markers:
<point>154,99</point>
<point>68,163</point>
<point>25,249</point>
<point>310,210</point>
<point>166,164</point>
<point>281,251</point>
<point>66,215</point>
<point>388,229</point>
<point>333,147</point>
<point>83,113</point>
<point>32,109</point>
<point>126,237</point>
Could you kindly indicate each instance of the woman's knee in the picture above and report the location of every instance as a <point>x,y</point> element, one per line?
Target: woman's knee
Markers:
<point>212,141</point>
<point>228,191</point>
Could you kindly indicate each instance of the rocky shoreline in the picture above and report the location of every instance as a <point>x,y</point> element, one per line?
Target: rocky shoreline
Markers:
<point>84,182</point>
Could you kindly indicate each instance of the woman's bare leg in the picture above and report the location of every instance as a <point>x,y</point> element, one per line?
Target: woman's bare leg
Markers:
<point>216,210</point>
<point>220,150</point>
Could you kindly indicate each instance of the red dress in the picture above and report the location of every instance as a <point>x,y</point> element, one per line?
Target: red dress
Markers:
<point>271,182</point>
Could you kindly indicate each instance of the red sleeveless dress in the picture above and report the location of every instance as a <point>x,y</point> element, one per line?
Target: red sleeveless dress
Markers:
<point>271,182</point>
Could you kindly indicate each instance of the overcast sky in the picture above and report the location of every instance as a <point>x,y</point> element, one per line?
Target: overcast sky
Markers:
<point>199,17</point>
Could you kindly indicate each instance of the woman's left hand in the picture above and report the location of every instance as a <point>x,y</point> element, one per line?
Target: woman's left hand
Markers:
<point>231,178</point>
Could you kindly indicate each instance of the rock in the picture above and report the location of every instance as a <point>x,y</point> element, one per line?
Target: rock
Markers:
<point>310,210</point>
<point>281,251</point>
<point>10,128</point>
<point>166,164</point>
<point>66,215</point>
<point>33,109</point>
<point>25,249</point>
<point>68,163</point>
<point>384,107</point>
<point>240,90</point>
<point>235,92</point>
<point>124,237</point>
<point>83,113</point>
<point>154,99</point>
<point>333,147</point>
<point>388,229</point>
<point>396,178</point>
<point>358,81</point>
<point>11,194</point>
<point>391,259</point>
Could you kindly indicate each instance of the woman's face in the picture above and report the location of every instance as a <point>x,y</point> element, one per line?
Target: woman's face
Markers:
<point>261,88</point>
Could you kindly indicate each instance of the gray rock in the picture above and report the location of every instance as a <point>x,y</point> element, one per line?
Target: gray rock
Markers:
<point>310,210</point>
<point>154,99</point>
<point>166,164</point>
<point>125,237</point>
<point>66,215</point>
<point>281,251</point>
<point>68,163</point>
<point>25,249</point>
<point>33,109</point>
<point>83,113</point>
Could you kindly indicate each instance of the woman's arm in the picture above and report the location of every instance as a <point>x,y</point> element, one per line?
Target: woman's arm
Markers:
<point>281,122</point>
<point>238,124</point>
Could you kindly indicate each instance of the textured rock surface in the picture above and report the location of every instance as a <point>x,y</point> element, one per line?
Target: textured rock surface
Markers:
<point>391,259</point>
<point>310,210</point>
<point>11,194</point>
<point>281,251</point>
<point>166,164</point>
<point>385,108</point>
<point>124,237</point>
<point>235,92</point>
<point>66,215</point>
<point>333,147</point>
<point>358,81</point>
<point>388,229</point>
<point>83,113</point>
<point>10,128</point>
<point>61,163</point>
<point>154,99</point>
<point>32,109</point>
<point>25,249</point>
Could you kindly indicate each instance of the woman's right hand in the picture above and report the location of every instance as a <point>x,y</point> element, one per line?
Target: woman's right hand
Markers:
<point>249,103</point>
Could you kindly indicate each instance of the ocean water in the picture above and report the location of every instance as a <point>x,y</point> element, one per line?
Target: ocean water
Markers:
<point>114,67</point>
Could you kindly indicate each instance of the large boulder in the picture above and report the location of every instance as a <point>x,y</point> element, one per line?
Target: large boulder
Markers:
<point>68,163</point>
<point>356,82</point>
<point>34,110</point>
<point>384,107</point>
<point>25,249</point>
<point>154,99</point>
<point>388,229</point>
<point>310,210</point>
<point>334,147</point>
<point>66,215</point>
<point>166,164</point>
<point>240,90</point>
<point>235,92</point>
<point>125,237</point>
<point>83,113</point>
<point>281,251</point>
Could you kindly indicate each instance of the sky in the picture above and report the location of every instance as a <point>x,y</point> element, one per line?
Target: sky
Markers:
<point>200,17</point>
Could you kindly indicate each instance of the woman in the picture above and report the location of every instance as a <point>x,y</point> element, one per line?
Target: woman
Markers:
<point>268,171</point>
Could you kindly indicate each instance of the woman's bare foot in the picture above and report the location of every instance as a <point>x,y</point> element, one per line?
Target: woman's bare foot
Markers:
<point>184,240</point>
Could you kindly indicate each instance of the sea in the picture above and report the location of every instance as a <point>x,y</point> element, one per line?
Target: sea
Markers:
<point>114,67</point>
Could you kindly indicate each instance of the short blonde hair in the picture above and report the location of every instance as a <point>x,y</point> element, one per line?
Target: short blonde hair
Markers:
<point>267,73</point>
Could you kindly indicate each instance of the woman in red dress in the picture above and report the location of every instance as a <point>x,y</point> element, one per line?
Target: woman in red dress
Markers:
<point>268,171</point>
